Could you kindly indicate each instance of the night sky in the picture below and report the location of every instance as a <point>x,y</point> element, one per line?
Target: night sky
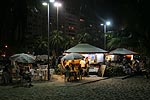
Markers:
<point>119,12</point>
<point>114,10</point>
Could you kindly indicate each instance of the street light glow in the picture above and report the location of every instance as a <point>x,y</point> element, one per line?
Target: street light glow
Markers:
<point>44,4</point>
<point>6,46</point>
<point>108,23</point>
<point>57,4</point>
<point>102,24</point>
<point>51,1</point>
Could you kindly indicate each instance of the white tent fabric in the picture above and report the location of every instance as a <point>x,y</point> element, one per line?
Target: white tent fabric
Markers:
<point>85,48</point>
<point>122,51</point>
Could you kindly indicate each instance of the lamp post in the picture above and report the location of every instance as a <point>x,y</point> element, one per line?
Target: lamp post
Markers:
<point>48,31</point>
<point>105,31</point>
<point>57,5</point>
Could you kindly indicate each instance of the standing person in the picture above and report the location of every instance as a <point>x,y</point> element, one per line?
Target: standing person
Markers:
<point>87,65</point>
<point>67,73</point>
<point>53,62</point>
<point>80,72</point>
<point>124,61</point>
<point>71,66</point>
<point>82,64</point>
<point>21,69</point>
<point>27,76</point>
<point>137,67</point>
<point>142,65</point>
<point>17,70</point>
<point>86,61</point>
<point>5,75</point>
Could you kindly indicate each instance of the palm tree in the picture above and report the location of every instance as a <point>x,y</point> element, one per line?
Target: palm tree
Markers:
<point>56,40</point>
<point>40,45</point>
<point>69,42</point>
<point>137,21</point>
<point>123,38</point>
<point>83,37</point>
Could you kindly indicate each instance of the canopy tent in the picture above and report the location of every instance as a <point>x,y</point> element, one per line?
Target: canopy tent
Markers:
<point>122,51</point>
<point>85,48</point>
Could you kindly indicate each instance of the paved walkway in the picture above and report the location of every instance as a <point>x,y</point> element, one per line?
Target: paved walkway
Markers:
<point>58,80</point>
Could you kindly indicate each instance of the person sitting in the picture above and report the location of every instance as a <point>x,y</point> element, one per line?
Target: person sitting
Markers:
<point>73,75</point>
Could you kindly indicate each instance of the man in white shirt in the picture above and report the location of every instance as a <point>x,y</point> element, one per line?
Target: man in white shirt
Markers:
<point>82,63</point>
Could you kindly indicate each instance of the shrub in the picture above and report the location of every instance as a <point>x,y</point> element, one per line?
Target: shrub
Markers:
<point>114,71</point>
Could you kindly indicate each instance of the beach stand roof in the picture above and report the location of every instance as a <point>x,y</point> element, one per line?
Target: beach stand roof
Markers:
<point>122,51</point>
<point>85,48</point>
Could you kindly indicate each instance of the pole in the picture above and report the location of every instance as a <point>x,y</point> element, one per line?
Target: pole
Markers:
<point>105,36</point>
<point>48,42</point>
<point>57,29</point>
<point>57,17</point>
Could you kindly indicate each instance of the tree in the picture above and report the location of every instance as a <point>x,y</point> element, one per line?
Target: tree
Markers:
<point>136,28</point>
<point>123,38</point>
<point>83,37</point>
<point>69,42</point>
<point>40,45</point>
<point>56,40</point>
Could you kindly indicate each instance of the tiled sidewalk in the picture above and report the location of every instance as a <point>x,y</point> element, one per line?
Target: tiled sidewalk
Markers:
<point>58,80</point>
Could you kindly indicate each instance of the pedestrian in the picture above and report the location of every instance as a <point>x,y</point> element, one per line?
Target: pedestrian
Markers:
<point>67,73</point>
<point>82,64</point>
<point>87,65</point>
<point>80,72</point>
<point>53,62</point>
<point>27,76</point>
<point>5,75</point>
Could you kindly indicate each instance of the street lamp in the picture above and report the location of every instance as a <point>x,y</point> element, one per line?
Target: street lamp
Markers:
<point>105,31</point>
<point>48,31</point>
<point>57,5</point>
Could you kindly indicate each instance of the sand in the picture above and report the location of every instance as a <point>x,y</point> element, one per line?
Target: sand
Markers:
<point>133,88</point>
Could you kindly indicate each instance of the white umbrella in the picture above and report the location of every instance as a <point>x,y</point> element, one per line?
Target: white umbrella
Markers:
<point>72,56</point>
<point>23,58</point>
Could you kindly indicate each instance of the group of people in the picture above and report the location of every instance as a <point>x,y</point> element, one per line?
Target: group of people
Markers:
<point>6,77</point>
<point>24,73</point>
<point>20,71</point>
<point>77,70</point>
<point>135,66</point>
